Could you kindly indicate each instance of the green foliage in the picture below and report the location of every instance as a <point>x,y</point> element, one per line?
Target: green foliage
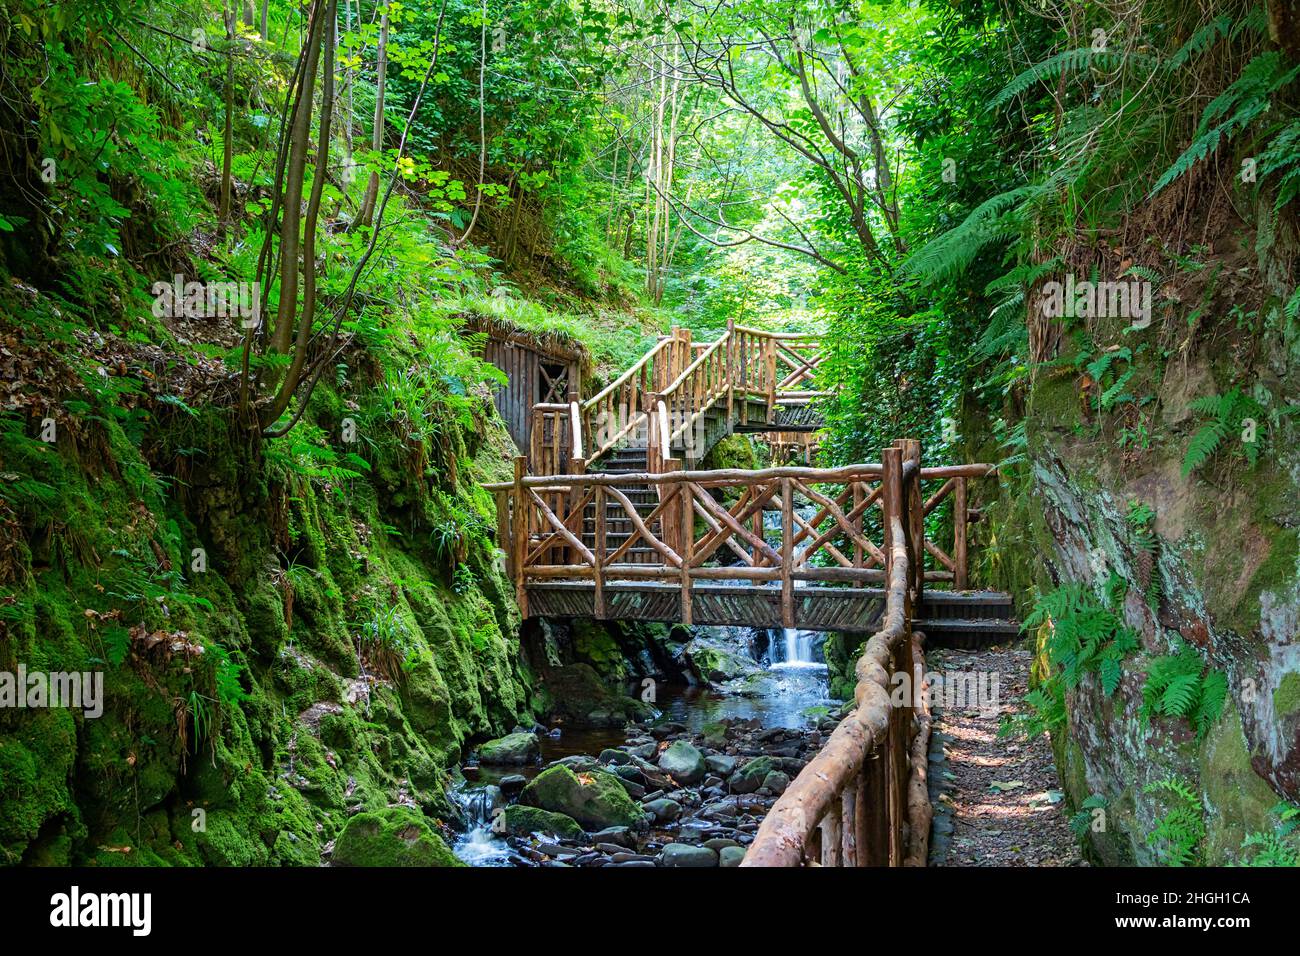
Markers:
<point>1280,846</point>
<point>1182,685</point>
<point>1083,635</point>
<point>1087,635</point>
<point>1081,822</point>
<point>1247,100</point>
<point>1229,413</point>
<point>1180,830</point>
<point>1146,543</point>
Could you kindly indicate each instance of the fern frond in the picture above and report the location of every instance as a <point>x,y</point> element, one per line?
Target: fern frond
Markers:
<point>1205,442</point>
<point>1067,61</point>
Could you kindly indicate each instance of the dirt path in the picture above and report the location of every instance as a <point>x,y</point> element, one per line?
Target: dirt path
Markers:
<point>997,802</point>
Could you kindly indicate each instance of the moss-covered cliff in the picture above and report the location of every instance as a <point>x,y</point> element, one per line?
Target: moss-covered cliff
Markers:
<point>289,632</point>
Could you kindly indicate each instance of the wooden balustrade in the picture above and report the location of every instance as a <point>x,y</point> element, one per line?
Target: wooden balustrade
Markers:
<point>862,800</point>
<point>835,536</point>
<point>689,379</point>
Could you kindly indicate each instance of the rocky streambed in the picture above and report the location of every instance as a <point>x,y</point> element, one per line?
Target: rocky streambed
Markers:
<point>687,788</point>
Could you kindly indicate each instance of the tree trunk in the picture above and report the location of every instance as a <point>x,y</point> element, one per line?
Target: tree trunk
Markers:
<point>377,136</point>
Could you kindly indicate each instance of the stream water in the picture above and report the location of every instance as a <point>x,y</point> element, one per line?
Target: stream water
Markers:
<point>787,690</point>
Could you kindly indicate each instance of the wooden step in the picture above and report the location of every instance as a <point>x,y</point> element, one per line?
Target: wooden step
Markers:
<point>967,633</point>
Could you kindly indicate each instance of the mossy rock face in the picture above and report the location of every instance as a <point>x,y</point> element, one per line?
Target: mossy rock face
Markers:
<point>1239,800</point>
<point>394,836</point>
<point>594,798</point>
<point>36,761</point>
<point>716,661</point>
<point>579,697</point>
<point>524,821</point>
<point>593,644</point>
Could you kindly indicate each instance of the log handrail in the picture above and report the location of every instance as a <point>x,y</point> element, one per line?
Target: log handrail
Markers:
<point>863,799</point>
<point>858,802</point>
<point>688,379</point>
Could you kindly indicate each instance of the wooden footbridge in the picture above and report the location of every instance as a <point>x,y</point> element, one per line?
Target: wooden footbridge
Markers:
<point>615,522</point>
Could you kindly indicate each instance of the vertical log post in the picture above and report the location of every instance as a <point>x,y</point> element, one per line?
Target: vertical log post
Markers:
<point>914,522</point>
<point>865,813</point>
<point>521,521</point>
<point>787,553</point>
<point>686,498</point>
<point>860,524</point>
<point>729,373</point>
<point>891,494</point>
<point>598,550</point>
<point>574,513</point>
<point>961,574</point>
<point>848,823</point>
<point>654,454</point>
<point>770,344</point>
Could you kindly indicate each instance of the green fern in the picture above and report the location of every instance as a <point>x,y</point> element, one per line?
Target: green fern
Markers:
<point>1279,847</point>
<point>1067,61</point>
<point>995,220</point>
<point>1181,685</point>
<point>1226,413</point>
<point>1246,100</point>
<point>1081,822</point>
<point>1086,636</point>
<point>1201,41</point>
<point>1179,832</point>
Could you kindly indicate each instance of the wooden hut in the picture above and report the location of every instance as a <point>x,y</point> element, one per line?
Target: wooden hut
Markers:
<point>540,369</point>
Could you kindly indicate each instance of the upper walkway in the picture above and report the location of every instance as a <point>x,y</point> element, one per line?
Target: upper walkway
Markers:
<point>680,398</point>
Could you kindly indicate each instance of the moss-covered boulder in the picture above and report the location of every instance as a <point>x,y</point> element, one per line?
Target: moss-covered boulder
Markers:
<point>751,776</point>
<point>523,821</point>
<point>511,750</point>
<point>683,762</point>
<point>715,661</point>
<point>594,798</point>
<point>394,836</point>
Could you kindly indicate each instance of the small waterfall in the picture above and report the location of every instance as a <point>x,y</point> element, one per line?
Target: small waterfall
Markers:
<point>793,648</point>
<point>480,846</point>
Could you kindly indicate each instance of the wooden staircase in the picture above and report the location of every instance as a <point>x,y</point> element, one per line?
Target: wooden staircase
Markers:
<point>626,460</point>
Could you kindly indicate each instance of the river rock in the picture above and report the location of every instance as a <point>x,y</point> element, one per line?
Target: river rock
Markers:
<point>730,856</point>
<point>524,821</point>
<point>512,783</point>
<point>685,855</point>
<point>664,810</point>
<point>393,836</point>
<point>776,782</point>
<point>595,798</point>
<point>578,763</point>
<point>510,750</point>
<point>621,836</point>
<point>750,777</point>
<point>683,762</point>
<point>721,764</point>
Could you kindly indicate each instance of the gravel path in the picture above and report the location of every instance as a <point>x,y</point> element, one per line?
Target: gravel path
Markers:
<point>999,802</point>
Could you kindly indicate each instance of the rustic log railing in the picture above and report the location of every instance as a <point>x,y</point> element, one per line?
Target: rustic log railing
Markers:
<point>862,801</point>
<point>678,382</point>
<point>557,526</point>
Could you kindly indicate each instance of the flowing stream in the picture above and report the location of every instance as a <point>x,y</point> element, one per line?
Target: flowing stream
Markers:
<point>787,689</point>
